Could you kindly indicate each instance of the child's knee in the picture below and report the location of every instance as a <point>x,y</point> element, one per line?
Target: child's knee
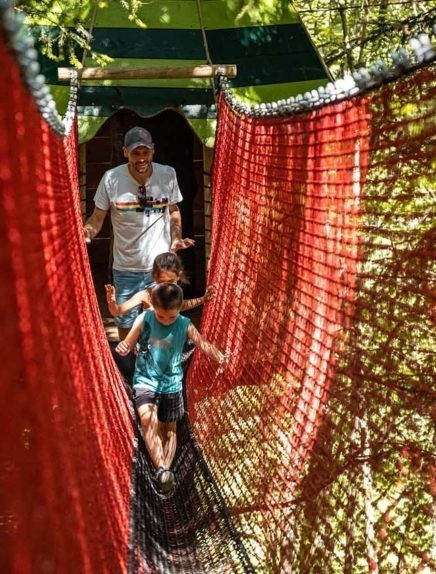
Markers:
<point>147,413</point>
<point>167,429</point>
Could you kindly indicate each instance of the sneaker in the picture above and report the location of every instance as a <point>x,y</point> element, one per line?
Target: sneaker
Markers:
<point>164,479</point>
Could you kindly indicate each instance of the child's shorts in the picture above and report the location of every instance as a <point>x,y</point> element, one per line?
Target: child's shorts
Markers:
<point>170,406</point>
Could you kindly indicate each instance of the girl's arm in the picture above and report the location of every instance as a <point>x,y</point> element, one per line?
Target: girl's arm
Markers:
<point>208,348</point>
<point>139,298</point>
<point>208,296</point>
<point>128,344</point>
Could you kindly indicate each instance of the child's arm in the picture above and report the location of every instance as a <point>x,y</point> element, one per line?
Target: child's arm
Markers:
<point>128,344</point>
<point>140,298</point>
<point>208,348</point>
<point>209,294</point>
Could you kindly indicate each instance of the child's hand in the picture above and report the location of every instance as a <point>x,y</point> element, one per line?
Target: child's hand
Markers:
<point>223,359</point>
<point>210,293</point>
<point>110,293</point>
<point>122,348</point>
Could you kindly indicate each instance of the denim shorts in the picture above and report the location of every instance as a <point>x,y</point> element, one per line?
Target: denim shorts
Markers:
<point>170,406</point>
<point>126,284</point>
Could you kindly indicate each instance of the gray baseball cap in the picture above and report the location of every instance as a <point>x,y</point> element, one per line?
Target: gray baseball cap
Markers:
<point>137,137</point>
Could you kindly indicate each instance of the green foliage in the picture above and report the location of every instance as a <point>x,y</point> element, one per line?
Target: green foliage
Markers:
<point>353,33</point>
<point>64,29</point>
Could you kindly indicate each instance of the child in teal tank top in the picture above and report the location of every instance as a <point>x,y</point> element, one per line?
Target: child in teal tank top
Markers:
<point>157,382</point>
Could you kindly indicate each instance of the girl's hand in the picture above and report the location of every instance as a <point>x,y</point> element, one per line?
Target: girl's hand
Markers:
<point>210,293</point>
<point>110,293</point>
<point>122,348</point>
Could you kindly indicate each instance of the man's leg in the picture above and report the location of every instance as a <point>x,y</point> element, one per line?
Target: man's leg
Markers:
<point>122,333</point>
<point>128,283</point>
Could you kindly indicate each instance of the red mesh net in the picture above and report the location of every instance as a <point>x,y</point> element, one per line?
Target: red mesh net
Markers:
<point>319,433</point>
<point>67,435</point>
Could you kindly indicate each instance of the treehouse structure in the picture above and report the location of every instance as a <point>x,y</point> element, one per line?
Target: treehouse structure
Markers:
<point>163,74</point>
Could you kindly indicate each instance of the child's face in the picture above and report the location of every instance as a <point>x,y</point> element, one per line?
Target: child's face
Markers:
<point>163,276</point>
<point>166,317</point>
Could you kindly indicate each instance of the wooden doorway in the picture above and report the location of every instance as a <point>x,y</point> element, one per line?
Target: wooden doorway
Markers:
<point>176,145</point>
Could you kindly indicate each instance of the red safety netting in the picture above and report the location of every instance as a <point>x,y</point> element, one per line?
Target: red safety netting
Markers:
<point>319,433</point>
<point>67,435</point>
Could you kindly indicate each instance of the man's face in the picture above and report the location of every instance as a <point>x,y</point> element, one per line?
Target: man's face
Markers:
<point>139,159</point>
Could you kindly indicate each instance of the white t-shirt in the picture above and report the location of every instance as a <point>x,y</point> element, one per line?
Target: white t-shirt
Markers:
<point>140,233</point>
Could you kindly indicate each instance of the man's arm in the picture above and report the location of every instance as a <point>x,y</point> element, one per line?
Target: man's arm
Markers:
<point>94,224</point>
<point>176,230</point>
<point>175,222</point>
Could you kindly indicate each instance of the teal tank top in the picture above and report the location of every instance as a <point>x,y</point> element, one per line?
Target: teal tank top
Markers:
<point>159,361</point>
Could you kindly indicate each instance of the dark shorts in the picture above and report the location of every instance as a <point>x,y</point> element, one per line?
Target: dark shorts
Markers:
<point>170,406</point>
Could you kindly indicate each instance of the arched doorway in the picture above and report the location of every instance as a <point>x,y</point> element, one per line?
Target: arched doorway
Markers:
<point>176,145</point>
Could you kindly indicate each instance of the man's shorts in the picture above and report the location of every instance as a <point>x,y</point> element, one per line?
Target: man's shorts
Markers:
<point>126,284</point>
<point>170,407</point>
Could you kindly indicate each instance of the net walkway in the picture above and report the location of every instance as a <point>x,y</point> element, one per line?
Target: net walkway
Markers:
<point>313,452</point>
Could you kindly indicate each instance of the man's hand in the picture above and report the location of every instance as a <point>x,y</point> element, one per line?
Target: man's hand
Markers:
<point>181,244</point>
<point>94,224</point>
<point>89,234</point>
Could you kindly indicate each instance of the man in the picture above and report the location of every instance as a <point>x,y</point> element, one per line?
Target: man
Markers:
<point>142,197</point>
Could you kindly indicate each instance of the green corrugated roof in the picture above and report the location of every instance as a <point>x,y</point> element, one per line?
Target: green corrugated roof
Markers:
<point>264,38</point>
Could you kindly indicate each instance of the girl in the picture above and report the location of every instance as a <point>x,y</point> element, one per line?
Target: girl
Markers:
<point>167,268</point>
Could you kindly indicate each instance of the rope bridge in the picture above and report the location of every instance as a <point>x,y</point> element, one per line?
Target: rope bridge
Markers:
<point>313,451</point>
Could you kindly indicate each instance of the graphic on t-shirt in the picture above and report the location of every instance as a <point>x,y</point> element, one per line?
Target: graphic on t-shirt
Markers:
<point>147,204</point>
<point>143,345</point>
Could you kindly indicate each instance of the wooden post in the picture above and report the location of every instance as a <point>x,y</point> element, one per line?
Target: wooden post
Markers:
<point>202,71</point>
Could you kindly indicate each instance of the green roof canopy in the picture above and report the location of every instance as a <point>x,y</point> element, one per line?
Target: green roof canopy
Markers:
<point>264,38</point>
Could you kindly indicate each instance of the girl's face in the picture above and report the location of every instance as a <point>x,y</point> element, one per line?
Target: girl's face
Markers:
<point>163,276</point>
<point>166,317</point>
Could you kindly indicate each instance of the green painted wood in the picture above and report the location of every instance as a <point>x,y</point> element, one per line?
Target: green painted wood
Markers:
<point>151,43</point>
<point>184,14</point>
<point>146,101</point>
<point>264,55</point>
<point>264,38</point>
<point>274,92</point>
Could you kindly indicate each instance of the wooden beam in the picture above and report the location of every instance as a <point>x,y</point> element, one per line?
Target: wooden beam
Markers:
<point>203,71</point>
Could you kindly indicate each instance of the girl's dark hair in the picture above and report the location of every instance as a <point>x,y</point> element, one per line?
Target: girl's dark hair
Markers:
<point>167,296</point>
<point>169,262</point>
